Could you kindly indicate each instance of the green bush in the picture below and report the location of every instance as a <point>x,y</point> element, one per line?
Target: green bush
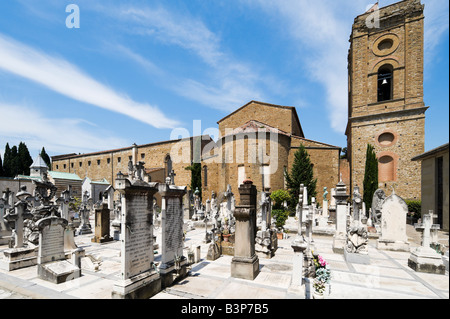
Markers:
<point>280,216</point>
<point>414,207</point>
<point>279,196</point>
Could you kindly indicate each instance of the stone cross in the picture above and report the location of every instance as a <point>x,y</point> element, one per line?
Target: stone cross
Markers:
<point>19,215</point>
<point>425,227</point>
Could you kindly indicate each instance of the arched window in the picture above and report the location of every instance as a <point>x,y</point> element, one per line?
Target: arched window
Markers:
<point>386,169</point>
<point>167,165</point>
<point>385,83</point>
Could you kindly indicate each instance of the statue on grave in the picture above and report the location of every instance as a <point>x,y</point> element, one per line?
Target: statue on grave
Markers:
<point>377,201</point>
<point>325,193</point>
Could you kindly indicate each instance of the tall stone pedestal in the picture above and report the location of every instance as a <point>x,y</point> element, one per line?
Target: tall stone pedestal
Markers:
<point>245,263</point>
<point>139,277</point>
<point>102,225</point>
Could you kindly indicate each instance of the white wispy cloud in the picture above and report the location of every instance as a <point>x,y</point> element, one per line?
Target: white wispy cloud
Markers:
<point>67,79</point>
<point>24,123</point>
<point>321,30</point>
<point>230,82</point>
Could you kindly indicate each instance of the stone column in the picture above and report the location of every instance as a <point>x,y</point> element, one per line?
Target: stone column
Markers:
<point>340,236</point>
<point>245,264</point>
<point>102,224</point>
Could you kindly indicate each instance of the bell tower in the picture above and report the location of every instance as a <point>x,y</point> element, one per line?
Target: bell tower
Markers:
<point>385,89</point>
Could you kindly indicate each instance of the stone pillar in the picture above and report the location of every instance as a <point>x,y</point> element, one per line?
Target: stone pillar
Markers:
<point>340,236</point>
<point>102,224</point>
<point>173,263</point>
<point>245,264</point>
<point>139,278</point>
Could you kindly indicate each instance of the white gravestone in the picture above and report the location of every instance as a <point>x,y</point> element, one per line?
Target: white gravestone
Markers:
<point>393,224</point>
<point>139,278</point>
<point>52,263</point>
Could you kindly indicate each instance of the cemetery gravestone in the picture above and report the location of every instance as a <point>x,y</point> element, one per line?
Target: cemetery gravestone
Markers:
<point>139,278</point>
<point>52,263</point>
<point>19,256</point>
<point>424,258</point>
<point>393,224</point>
<point>173,263</point>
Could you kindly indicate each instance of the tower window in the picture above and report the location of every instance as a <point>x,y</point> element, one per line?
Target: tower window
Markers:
<point>385,80</point>
<point>386,169</point>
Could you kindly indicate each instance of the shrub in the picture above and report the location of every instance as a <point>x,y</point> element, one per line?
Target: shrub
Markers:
<point>280,216</point>
<point>279,196</point>
<point>414,207</point>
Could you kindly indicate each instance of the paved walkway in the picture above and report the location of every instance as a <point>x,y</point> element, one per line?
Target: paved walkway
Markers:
<point>387,277</point>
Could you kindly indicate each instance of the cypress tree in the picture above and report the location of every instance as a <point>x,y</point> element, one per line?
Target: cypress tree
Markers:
<point>24,159</point>
<point>46,158</point>
<point>14,165</point>
<point>7,161</point>
<point>1,167</point>
<point>301,173</point>
<point>196,176</point>
<point>370,183</point>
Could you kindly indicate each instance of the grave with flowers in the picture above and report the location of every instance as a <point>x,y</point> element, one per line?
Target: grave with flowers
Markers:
<point>322,280</point>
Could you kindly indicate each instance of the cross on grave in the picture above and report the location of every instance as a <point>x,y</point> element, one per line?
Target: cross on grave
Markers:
<point>425,227</point>
<point>19,215</point>
<point>6,196</point>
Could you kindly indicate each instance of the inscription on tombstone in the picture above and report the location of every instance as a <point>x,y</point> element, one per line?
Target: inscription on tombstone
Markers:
<point>140,235</point>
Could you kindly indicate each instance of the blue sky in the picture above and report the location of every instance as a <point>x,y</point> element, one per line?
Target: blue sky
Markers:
<point>136,69</point>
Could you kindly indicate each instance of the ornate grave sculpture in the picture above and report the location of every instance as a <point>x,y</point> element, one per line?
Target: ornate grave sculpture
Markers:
<point>21,254</point>
<point>266,238</point>
<point>5,229</point>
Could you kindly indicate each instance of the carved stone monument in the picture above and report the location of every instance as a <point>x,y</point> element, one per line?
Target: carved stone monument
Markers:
<point>173,263</point>
<point>340,237</point>
<point>139,278</point>
<point>245,263</point>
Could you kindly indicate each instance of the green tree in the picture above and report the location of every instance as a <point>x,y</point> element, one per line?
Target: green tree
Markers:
<point>46,158</point>
<point>7,161</point>
<point>14,162</point>
<point>1,167</point>
<point>196,176</point>
<point>370,183</point>
<point>301,173</point>
<point>24,159</point>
